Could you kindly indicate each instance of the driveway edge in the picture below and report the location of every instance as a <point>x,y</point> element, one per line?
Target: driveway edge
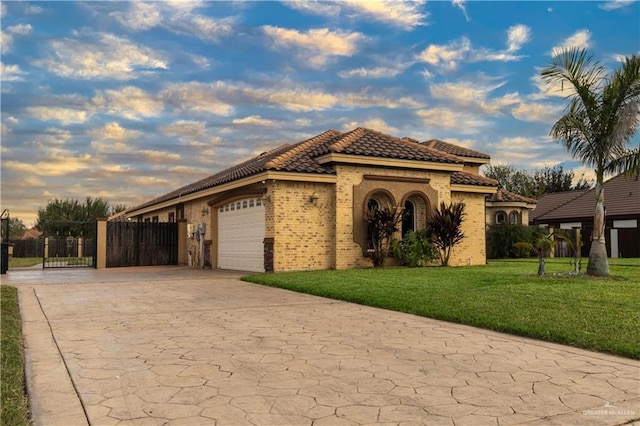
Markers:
<point>52,397</point>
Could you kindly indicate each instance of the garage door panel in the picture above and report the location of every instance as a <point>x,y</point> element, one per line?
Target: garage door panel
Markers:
<point>241,236</point>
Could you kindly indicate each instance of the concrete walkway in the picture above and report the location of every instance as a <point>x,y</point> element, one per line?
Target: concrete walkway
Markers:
<point>177,346</point>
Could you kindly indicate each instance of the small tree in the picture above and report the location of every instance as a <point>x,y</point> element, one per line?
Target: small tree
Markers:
<point>575,244</point>
<point>445,227</point>
<point>541,247</point>
<point>382,223</point>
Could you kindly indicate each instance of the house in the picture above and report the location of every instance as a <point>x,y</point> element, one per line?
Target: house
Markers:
<point>301,206</point>
<point>575,210</point>
<point>505,207</point>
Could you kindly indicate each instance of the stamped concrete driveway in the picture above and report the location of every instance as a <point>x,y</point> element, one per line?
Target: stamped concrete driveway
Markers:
<point>174,346</point>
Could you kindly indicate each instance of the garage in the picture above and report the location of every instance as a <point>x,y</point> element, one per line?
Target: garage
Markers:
<point>241,235</point>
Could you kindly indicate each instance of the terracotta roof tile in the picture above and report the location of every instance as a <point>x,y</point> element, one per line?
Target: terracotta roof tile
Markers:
<point>464,178</point>
<point>455,149</point>
<point>506,196</point>
<point>621,198</point>
<point>301,158</point>
<point>371,143</point>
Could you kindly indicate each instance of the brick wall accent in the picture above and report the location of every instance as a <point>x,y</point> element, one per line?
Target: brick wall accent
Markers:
<point>300,219</point>
<point>472,250</point>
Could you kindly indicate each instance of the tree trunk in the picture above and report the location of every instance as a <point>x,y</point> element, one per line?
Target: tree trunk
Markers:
<point>540,266</point>
<point>598,264</point>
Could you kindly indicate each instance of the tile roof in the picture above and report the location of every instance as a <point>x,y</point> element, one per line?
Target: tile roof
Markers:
<point>509,197</point>
<point>302,158</point>
<point>455,149</point>
<point>464,178</point>
<point>621,198</point>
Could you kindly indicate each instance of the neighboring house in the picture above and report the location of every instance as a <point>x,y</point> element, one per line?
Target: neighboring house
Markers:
<point>30,233</point>
<point>301,206</point>
<point>506,207</point>
<point>575,210</point>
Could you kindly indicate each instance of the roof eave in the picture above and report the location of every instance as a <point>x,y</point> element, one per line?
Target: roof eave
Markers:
<point>481,189</point>
<point>388,162</point>
<point>249,180</point>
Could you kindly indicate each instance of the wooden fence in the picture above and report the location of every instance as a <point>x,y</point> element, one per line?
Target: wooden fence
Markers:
<point>141,244</point>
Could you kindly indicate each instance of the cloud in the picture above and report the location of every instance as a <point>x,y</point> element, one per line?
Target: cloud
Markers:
<point>474,94</point>
<point>176,17</point>
<point>61,114</point>
<point>128,102</point>
<point>446,56</point>
<point>21,29</point>
<point>537,112</point>
<point>556,88</point>
<point>185,128</point>
<point>254,120</point>
<point>517,35</point>
<point>615,4</point>
<point>140,16</point>
<point>201,61</point>
<point>6,38</point>
<point>402,14</point>
<point>449,119</point>
<point>375,72</point>
<point>10,72</point>
<point>377,124</point>
<point>159,157</point>
<point>101,56</point>
<point>58,164</point>
<point>580,39</point>
<point>197,97</point>
<point>315,46</point>
<point>112,138</point>
<point>461,4</point>
<point>53,138</point>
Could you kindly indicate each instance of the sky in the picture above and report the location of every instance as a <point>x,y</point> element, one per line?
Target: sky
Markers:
<point>127,101</point>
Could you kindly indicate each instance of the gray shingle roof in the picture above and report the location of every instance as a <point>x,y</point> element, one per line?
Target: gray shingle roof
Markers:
<point>621,198</point>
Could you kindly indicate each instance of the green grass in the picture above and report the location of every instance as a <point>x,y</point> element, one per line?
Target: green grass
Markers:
<point>507,295</point>
<point>15,408</point>
<point>23,262</point>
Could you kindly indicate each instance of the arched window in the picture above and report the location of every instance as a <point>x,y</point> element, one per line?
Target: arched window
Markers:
<point>409,217</point>
<point>513,218</point>
<point>501,218</point>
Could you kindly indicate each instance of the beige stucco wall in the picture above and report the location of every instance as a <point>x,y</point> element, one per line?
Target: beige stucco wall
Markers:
<point>472,249</point>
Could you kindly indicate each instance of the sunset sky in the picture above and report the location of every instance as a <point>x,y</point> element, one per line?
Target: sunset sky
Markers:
<point>129,100</point>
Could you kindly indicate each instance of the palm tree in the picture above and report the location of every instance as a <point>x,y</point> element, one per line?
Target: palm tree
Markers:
<point>597,128</point>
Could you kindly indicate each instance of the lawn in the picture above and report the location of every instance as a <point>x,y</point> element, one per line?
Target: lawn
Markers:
<point>507,295</point>
<point>14,403</point>
<point>23,262</point>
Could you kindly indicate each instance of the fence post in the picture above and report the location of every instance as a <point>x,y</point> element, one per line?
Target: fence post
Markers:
<point>101,244</point>
<point>182,241</point>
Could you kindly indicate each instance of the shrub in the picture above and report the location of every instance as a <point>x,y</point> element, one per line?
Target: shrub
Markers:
<point>445,227</point>
<point>415,249</point>
<point>501,240</point>
<point>382,223</point>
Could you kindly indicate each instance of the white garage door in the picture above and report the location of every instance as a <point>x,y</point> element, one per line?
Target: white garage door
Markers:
<point>241,235</point>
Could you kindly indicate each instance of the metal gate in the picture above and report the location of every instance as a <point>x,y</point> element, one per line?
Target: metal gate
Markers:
<point>141,244</point>
<point>69,245</point>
